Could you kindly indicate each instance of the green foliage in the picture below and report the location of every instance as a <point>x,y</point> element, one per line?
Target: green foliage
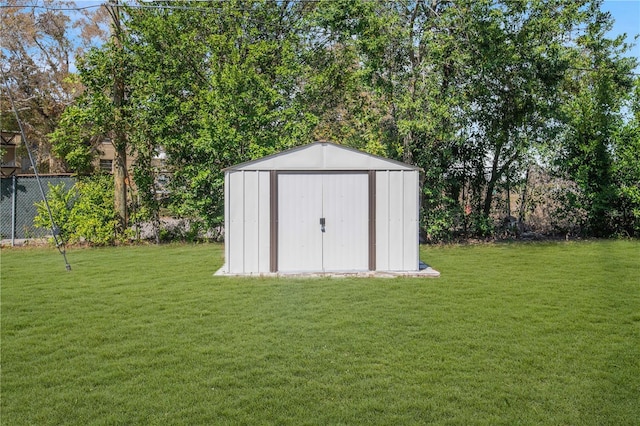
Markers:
<point>71,141</point>
<point>213,89</point>
<point>438,224</point>
<point>472,92</point>
<point>93,212</point>
<point>84,213</point>
<point>91,119</point>
<point>61,201</point>
<point>467,91</point>
<point>596,92</point>
<point>626,170</point>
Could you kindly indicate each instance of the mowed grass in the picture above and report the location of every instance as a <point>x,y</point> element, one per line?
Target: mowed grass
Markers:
<point>510,334</point>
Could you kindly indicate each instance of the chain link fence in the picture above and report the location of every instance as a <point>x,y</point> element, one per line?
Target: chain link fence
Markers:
<point>17,204</point>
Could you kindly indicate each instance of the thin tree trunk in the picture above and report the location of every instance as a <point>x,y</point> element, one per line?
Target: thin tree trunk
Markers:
<point>523,201</point>
<point>119,138</point>
<point>488,198</point>
<point>120,183</point>
<point>508,198</point>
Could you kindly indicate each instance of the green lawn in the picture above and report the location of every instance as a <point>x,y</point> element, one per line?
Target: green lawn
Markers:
<point>510,334</point>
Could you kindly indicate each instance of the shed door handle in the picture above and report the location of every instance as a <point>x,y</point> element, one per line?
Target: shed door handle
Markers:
<point>322,224</point>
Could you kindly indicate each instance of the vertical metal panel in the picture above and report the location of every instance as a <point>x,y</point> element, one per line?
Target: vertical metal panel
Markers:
<point>264,222</point>
<point>227,228</point>
<point>235,234</point>
<point>410,221</point>
<point>396,216</point>
<point>372,220</point>
<point>382,220</point>
<point>299,212</point>
<point>247,222</point>
<point>346,211</point>
<point>251,211</point>
<point>273,222</point>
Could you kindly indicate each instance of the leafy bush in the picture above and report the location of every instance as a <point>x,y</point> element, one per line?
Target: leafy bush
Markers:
<point>61,202</point>
<point>84,213</point>
<point>439,224</point>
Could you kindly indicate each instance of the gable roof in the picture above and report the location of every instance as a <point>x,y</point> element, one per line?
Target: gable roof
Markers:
<point>322,156</point>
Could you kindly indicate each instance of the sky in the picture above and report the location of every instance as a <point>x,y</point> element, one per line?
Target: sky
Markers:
<point>626,14</point>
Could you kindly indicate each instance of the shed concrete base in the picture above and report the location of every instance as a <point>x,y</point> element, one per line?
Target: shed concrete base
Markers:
<point>423,273</point>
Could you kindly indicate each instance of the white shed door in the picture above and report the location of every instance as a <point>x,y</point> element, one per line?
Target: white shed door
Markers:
<point>341,202</point>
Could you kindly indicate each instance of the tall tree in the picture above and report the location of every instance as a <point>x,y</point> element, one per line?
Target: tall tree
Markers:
<point>407,92</point>
<point>467,90</point>
<point>216,86</point>
<point>101,111</point>
<point>119,125</point>
<point>626,168</point>
<point>596,86</point>
<point>516,71</point>
<point>39,46</point>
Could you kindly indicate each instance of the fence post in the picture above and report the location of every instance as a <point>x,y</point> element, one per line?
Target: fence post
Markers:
<point>14,192</point>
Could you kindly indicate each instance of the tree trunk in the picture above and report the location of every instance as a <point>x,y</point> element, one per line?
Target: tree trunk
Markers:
<point>119,138</point>
<point>488,198</point>
<point>523,201</point>
<point>491,185</point>
<point>120,184</point>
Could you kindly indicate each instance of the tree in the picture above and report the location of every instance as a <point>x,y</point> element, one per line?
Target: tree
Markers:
<point>626,169</point>
<point>100,112</point>
<point>118,130</point>
<point>38,50</point>
<point>520,59</point>
<point>462,89</point>
<point>402,94</point>
<point>470,91</point>
<point>215,88</point>
<point>595,89</point>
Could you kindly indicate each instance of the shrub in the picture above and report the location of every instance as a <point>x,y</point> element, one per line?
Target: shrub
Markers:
<point>61,202</point>
<point>84,213</point>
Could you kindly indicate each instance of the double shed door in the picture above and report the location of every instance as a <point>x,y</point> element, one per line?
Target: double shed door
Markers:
<point>323,222</point>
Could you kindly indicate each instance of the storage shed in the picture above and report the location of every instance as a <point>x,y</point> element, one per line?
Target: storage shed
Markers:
<point>321,207</point>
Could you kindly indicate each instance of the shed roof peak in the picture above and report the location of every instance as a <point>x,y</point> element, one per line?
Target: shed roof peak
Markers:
<point>322,155</point>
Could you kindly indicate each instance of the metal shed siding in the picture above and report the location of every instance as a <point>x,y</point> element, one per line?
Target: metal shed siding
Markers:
<point>252,238</point>
<point>411,206</point>
<point>397,220</point>
<point>247,221</point>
